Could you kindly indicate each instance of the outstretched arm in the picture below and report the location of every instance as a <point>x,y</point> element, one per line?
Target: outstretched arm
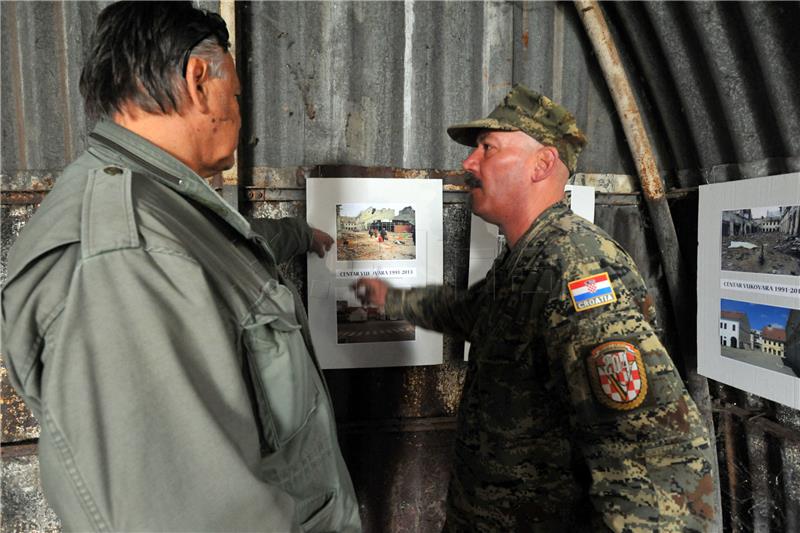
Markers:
<point>291,236</point>
<point>435,307</point>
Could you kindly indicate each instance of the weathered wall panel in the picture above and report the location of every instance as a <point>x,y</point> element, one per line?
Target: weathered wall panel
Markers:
<point>789,467</point>
<point>24,508</point>
<point>552,55</point>
<point>368,83</point>
<point>717,81</point>
<point>381,80</point>
<point>302,111</point>
<point>404,467</point>
<point>17,422</point>
<point>377,83</point>
<point>43,46</point>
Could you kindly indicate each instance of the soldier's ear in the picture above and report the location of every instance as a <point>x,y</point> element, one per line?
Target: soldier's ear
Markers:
<point>544,162</point>
<point>197,77</point>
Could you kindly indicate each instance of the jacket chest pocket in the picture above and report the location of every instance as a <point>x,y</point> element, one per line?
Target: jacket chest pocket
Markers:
<point>285,381</point>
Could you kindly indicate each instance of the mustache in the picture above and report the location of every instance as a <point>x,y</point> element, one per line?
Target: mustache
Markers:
<point>472,181</point>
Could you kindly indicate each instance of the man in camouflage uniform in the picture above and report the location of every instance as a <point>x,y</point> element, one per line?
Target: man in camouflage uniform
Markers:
<point>573,416</point>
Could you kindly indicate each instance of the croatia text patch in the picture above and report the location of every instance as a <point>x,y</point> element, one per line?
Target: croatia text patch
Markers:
<point>616,372</point>
<point>590,292</point>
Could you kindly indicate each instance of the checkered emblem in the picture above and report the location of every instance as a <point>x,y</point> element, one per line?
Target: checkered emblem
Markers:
<point>617,375</point>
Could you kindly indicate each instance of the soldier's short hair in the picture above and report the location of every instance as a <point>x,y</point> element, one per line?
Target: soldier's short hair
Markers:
<point>139,53</point>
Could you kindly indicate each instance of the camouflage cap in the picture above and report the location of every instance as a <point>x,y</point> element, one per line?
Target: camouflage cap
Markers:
<point>525,110</point>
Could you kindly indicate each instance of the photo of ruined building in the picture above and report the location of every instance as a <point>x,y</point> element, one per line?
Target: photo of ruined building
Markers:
<point>765,240</point>
<point>368,232</point>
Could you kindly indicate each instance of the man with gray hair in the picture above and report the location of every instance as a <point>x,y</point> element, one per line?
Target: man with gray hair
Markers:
<point>145,321</point>
<point>572,417</point>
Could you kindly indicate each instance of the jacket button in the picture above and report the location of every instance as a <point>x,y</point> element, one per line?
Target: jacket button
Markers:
<point>112,171</point>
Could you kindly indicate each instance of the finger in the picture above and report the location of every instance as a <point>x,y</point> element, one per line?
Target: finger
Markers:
<point>359,288</point>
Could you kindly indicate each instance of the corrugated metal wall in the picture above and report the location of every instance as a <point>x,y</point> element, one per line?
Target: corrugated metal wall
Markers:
<point>720,81</point>
<point>375,84</point>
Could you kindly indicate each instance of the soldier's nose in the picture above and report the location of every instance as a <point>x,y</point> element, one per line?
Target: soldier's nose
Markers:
<point>470,164</point>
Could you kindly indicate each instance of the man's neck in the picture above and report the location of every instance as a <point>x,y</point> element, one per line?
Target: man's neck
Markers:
<point>168,132</point>
<point>516,228</point>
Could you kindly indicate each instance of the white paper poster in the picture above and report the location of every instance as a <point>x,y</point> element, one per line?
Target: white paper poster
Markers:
<point>748,286</point>
<point>485,242</point>
<point>581,201</point>
<point>384,228</point>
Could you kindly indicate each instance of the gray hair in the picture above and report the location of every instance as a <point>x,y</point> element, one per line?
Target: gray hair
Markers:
<point>209,51</point>
<point>212,53</point>
<point>134,51</point>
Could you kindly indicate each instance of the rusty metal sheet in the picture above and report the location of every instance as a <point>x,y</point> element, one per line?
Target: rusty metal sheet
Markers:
<point>33,180</point>
<point>22,197</point>
<point>12,219</point>
<point>295,177</point>
<point>24,507</point>
<point>19,424</point>
<point>762,483</point>
<point>413,69</point>
<point>788,464</point>
<point>400,476</point>
<point>398,392</point>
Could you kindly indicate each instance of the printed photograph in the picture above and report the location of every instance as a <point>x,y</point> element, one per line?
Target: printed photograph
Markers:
<point>762,335</point>
<point>356,323</point>
<point>375,232</point>
<point>765,240</point>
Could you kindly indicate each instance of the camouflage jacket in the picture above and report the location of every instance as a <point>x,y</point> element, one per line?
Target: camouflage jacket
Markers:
<point>572,413</point>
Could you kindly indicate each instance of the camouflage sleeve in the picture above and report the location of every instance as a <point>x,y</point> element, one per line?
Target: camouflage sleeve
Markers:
<point>633,422</point>
<point>287,237</point>
<point>438,308</point>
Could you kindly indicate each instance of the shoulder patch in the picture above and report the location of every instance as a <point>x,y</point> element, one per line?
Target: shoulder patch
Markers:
<point>617,374</point>
<point>591,292</point>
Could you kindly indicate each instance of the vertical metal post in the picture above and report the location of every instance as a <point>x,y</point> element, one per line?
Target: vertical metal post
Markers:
<point>230,177</point>
<point>671,258</point>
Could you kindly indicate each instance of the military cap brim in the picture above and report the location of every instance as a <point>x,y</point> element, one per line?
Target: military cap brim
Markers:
<point>467,134</point>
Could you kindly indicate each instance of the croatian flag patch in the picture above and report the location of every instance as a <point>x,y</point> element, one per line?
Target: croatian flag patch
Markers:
<point>591,292</point>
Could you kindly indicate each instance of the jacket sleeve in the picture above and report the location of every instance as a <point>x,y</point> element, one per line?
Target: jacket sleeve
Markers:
<point>438,308</point>
<point>287,237</point>
<point>146,418</point>
<point>635,425</point>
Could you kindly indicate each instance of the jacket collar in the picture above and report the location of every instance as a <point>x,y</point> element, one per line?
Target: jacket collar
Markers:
<point>549,215</point>
<point>544,220</point>
<point>149,159</point>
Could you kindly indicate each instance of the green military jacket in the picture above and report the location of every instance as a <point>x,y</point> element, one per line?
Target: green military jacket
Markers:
<point>572,414</point>
<point>169,364</point>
